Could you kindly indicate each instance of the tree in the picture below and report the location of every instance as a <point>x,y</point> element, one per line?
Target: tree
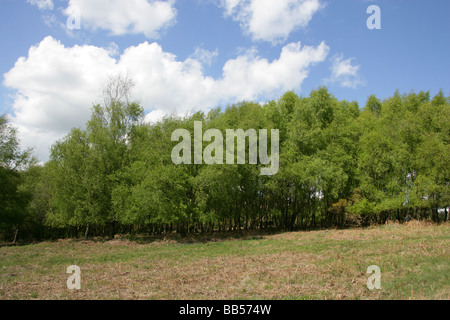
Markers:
<point>339,165</point>
<point>13,162</point>
<point>84,165</point>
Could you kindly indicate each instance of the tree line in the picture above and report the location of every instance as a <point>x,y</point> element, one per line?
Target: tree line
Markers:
<point>339,165</point>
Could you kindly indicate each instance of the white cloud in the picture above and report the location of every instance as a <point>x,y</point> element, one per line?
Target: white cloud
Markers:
<point>121,17</point>
<point>205,56</point>
<point>57,85</point>
<point>344,73</point>
<point>154,116</point>
<point>271,20</point>
<point>42,4</point>
<point>250,77</point>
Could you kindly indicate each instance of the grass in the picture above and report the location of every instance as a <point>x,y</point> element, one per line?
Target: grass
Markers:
<point>414,262</point>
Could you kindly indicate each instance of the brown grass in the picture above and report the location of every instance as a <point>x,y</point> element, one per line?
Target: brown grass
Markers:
<point>301,265</point>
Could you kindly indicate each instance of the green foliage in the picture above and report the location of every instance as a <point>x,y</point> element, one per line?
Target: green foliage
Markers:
<point>85,166</point>
<point>339,165</point>
<point>13,161</point>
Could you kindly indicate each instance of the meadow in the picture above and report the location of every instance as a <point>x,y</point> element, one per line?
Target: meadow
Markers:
<point>327,264</point>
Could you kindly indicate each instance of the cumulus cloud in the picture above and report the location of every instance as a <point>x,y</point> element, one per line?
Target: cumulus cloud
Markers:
<point>344,73</point>
<point>42,4</point>
<point>249,77</point>
<point>57,85</point>
<point>121,17</point>
<point>271,20</point>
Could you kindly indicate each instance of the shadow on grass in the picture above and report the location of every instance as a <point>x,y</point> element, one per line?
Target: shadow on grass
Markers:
<point>201,237</point>
<point>214,236</point>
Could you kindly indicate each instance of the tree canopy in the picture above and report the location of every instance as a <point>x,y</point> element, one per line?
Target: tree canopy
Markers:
<point>339,165</point>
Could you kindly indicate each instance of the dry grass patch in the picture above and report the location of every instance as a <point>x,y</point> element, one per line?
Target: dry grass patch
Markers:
<point>299,265</point>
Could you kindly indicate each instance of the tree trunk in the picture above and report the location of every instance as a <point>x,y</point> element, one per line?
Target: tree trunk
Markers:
<point>112,230</point>
<point>15,235</point>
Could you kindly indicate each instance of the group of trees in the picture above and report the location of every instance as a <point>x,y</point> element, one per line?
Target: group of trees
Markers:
<point>13,162</point>
<point>339,165</point>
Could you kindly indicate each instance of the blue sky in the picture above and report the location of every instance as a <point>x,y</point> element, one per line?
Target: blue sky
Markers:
<point>189,55</point>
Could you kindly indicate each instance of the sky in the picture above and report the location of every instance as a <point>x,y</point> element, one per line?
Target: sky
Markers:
<point>188,55</point>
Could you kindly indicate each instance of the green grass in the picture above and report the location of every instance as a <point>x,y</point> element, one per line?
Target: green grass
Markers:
<point>414,262</point>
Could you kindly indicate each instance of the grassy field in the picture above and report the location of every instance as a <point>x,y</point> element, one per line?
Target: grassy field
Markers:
<point>414,262</point>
